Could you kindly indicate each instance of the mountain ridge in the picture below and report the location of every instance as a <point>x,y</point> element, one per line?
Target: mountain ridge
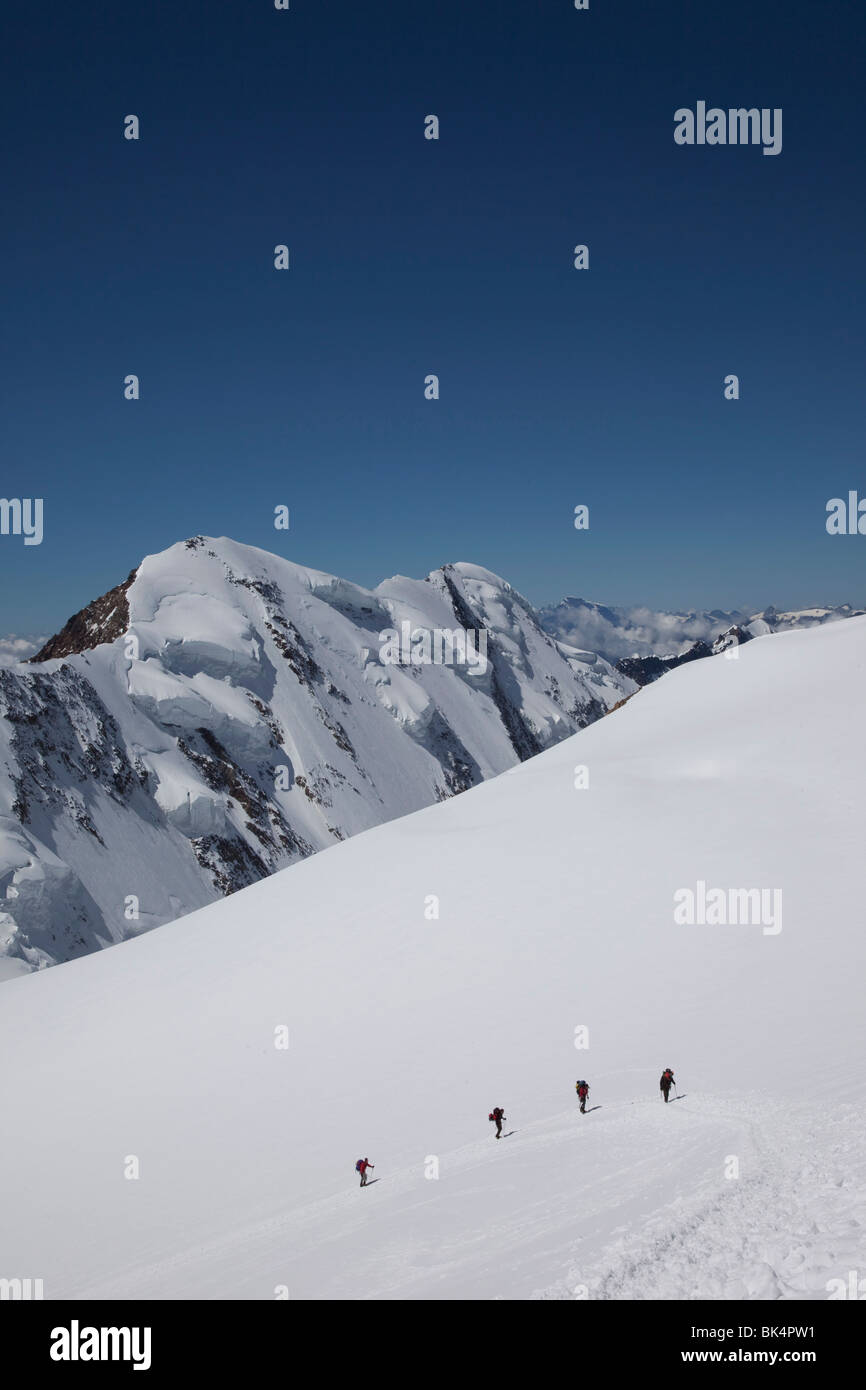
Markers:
<point>225,712</point>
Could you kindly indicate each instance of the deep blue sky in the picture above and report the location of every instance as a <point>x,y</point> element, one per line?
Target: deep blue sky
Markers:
<point>409,257</point>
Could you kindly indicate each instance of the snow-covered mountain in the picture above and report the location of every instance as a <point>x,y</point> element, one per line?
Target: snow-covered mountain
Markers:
<point>224,712</point>
<point>617,633</point>
<point>209,1086</point>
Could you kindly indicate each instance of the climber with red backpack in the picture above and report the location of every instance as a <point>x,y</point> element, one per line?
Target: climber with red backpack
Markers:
<point>361,1167</point>
<point>582,1088</point>
<point>497,1115</point>
<point>667,1080</point>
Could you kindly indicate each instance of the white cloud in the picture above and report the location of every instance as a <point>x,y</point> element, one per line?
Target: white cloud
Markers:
<point>13,648</point>
<point>633,631</point>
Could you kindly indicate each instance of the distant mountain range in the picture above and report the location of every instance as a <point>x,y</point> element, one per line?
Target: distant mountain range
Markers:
<point>617,633</point>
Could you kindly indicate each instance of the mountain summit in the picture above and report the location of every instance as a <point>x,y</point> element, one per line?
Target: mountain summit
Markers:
<point>224,713</point>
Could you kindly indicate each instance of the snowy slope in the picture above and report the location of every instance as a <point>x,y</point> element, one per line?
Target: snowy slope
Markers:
<point>556,911</point>
<point>225,712</point>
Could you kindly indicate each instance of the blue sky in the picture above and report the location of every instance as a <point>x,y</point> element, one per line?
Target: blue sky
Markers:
<point>410,256</point>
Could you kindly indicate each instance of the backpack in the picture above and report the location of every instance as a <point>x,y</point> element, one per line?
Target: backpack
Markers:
<point>359,1164</point>
<point>491,1116</point>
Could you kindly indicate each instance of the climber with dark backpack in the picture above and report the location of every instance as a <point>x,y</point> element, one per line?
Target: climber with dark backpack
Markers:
<point>497,1115</point>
